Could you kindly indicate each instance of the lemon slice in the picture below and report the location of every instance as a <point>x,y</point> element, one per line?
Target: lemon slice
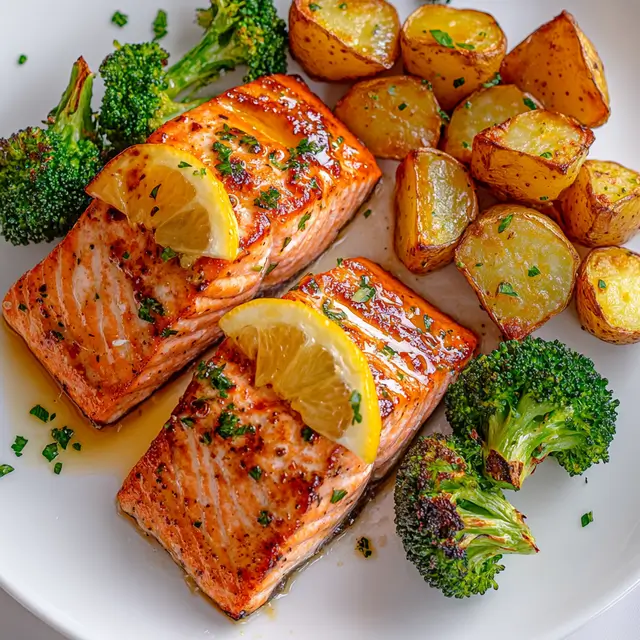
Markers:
<point>310,362</point>
<point>173,193</point>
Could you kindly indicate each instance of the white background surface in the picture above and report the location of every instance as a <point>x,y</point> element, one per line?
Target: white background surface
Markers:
<point>621,622</point>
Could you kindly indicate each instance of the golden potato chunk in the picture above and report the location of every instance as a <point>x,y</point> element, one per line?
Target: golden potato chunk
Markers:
<point>560,66</point>
<point>520,265</point>
<point>608,295</point>
<point>457,50</point>
<point>392,115</point>
<point>435,200</point>
<point>531,157</point>
<point>342,40</point>
<point>602,207</point>
<point>482,109</point>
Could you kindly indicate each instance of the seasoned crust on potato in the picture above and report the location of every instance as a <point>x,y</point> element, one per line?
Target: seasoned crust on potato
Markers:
<point>602,207</point>
<point>520,265</point>
<point>608,295</point>
<point>531,157</point>
<point>392,115</point>
<point>336,40</point>
<point>457,50</point>
<point>483,108</point>
<point>559,65</point>
<point>434,200</point>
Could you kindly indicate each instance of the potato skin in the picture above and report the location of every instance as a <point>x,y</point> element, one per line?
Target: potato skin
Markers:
<point>443,66</point>
<point>608,217</point>
<point>591,312</point>
<point>392,115</point>
<point>528,176</point>
<point>483,108</point>
<point>325,55</point>
<point>559,65</point>
<point>534,241</point>
<point>431,185</point>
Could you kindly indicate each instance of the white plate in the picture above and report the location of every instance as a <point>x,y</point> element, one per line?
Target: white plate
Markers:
<point>67,555</point>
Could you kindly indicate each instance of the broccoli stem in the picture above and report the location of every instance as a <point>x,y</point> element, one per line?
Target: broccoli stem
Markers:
<point>492,526</point>
<point>520,438</point>
<point>73,119</point>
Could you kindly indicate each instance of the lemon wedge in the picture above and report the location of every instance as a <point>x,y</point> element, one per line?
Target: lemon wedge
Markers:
<point>310,362</point>
<point>173,193</point>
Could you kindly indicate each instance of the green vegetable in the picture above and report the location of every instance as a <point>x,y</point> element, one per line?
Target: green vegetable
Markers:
<point>506,288</point>
<point>602,284</point>
<point>57,468</point>
<point>364,547</point>
<point>268,199</point>
<point>504,223</point>
<point>533,271</point>
<point>44,170</point>
<point>228,426</point>
<point>50,452</point>
<point>22,58</point>
<point>442,38</point>
<point>458,82</point>
<point>308,434</point>
<point>40,412</point>
<point>529,400</point>
<point>150,306</point>
<point>586,519</point>
<point>215,375</point>
<point>62,436</point>
<point>5,469</point>
<point>528,102</point>
<point>354,400</point>
<point>365,291</point>
<point>255,473</point>
<point>160,24</point>
<point>140,94</point>
<point>19,444</point>
<point>167,254</point>
<point>453,527</point>
<point>119,19</point>
<point>497,79</point>
<point>265,518</point>
<point>337,495</point>
<point>367,213</point>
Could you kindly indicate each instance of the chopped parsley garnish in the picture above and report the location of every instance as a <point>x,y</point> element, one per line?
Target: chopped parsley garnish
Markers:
<point>479,264</point>
<point>467,105</point>
<point>544,198</point>
<point>365,292</point>
<point>442,38</point>
<point>167,332</point>
<point>337,495</point>
<point>149,306</point>
<point>602,284</point>
<point>465,144</point>
<point>342,6</point>
<point>403,106</point>
<point>466,45</point>
<point>367,213</point>
<point>497,79</point>
<point>215,375</point>
<point>339,140</point>
<point>458,82</point>
<point>388,351</point>
<point>251,142</point>
<point>22,59</point>
<point>126,255</point>
<point>507,289</point>
<point>50,452</point>
<point>57,335</point>
<point>313,183</point>
<point>228,426</point>
<point>339,261</point>
<point>265,517</point>
<point>167,254</point>
<point>119,19</point>
<point>197,524</point>
<point>273,159</point>
<point>154,192</point>
<point>5,469</point>
<point>528,102</point>
<point>19,444</point>
<point>160,25</point>
<point>354,401</point>
<point>57,469</point>
<point>504,223</point>
<point>307,433</point>
<point>255,473</point>
<point>22,307</point>
<point>285,243</point>
<point>302,225</point>
<point>188,422</point>
<point>62,436</point>
<point>546,154</point>
<point>427,84</point>
<point>225,133</point>
<point>40,412</point>
<point>337,316</point>
<point>268,198</point>
<point>184,165</point>
<point>364,547</point>
<point>226,167</point>
<point>314,7</point>
<point>587,518</point>
<point>206,438</point>
<point>270,268</point>
<point>428,321</point>
<point>533,271</point>
<point>77,446</point>
<point>444,115</point>
<point>392,90</point>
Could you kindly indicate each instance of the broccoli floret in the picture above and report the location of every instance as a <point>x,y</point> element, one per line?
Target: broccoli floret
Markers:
<point>140,94</point>
<point>43,171</point>
<point>454,527</point>
<point>527,400</point>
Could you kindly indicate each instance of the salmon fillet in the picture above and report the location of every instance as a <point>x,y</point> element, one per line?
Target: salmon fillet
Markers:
<point>111,321</point>
<point>236,487</point>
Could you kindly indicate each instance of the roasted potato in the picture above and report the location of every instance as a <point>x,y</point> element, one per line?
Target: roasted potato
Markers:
<point>483,108</point>
<point>435,200</point>
<point>392,115</point>
<point>457,50</point>
<point>602,207</point>
<point>560,66</point>
<point>608,295</point>
<point>531,157</point>
<point>521,266</point>
<point>344,40</point>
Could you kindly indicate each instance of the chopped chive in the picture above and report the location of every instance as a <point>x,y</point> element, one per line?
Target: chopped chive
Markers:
<point>528,102</point>
<point>337,495</point>
<point>497,79</point>
<point>466,45</point>
<point>154,191</point>
<point>504,224</point>
<point>403,106</point>
<point>302,225</point>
